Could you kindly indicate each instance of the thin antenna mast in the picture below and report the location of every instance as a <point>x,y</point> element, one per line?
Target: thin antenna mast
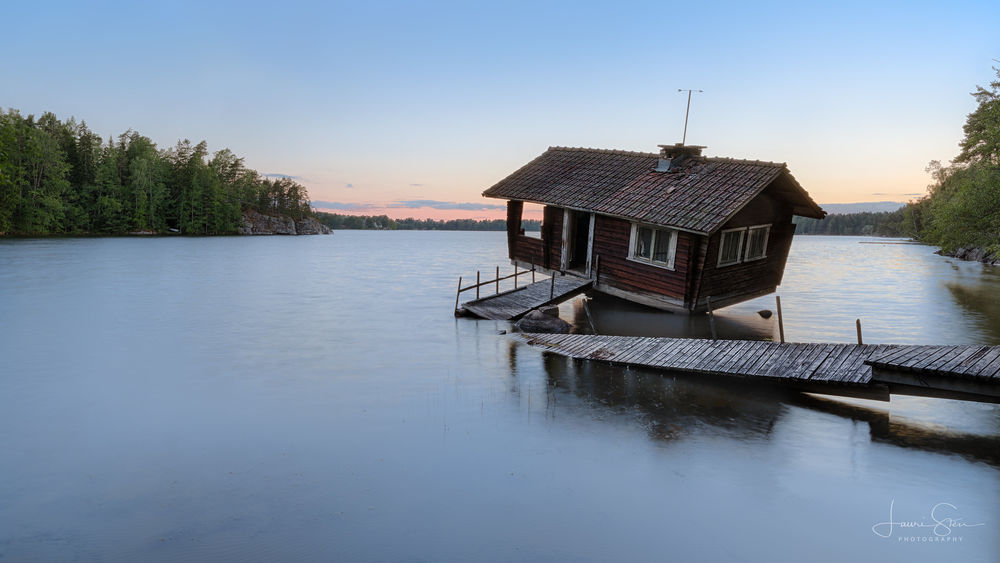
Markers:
<point>687,112</point>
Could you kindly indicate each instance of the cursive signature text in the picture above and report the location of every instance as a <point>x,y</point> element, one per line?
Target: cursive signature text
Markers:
<point>942,523</point>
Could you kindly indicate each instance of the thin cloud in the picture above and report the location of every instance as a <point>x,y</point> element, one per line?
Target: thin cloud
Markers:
<point>433,204</point>
<point>342,206</point>
<point>349,186</point>
<point>416,185</point>
<point>285,176</point>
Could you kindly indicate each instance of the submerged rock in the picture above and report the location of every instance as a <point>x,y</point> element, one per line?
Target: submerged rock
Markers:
<point>539,321</point>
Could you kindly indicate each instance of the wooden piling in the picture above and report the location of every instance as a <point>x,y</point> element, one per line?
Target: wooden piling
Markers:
<point>781,324</point>
<point>552,288</point>
<point>477,284</point>
<point>457,293</point>
<point>858,324</point>
<point>498,279</point>
<point>711,318</point>
<point>515,276</point>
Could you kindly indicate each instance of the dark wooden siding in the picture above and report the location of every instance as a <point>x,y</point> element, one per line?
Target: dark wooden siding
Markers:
<point>611,238</point>
<point>750,278</point>
<point>552,224</point>
<point>546,251</point>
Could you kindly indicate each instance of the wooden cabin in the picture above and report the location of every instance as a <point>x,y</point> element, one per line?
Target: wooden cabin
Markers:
<point>669,230</point>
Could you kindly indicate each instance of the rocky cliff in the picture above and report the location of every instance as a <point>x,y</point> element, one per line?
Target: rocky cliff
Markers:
<point>254,223</point>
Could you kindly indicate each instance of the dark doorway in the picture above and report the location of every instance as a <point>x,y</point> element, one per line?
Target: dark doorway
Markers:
<point>579,237</point>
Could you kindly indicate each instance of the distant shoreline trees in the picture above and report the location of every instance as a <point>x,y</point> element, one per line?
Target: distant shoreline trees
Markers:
<point>60,178</point>
<point>383,222</point>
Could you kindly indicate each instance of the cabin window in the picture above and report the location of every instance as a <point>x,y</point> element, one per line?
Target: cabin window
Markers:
<point>532,215</point>
<point>730,246</point>
<point>757,242</point>
<point>654,246</point>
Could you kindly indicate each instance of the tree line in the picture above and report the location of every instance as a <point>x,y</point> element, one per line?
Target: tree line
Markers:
<point>962,208</point>
<point>62,178</point>
<point>962,205</point>
<point>380,222</point>
<point>879,224</point>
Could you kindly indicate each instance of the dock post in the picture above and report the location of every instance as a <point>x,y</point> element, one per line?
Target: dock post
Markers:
<point>781,324</point>
<point>858,324</point>
<point>532,272</point>
<point>515,275</point>
<point>477,284</point>
<point>711,318</point>
<point>457,293</point>
<point>552,288</point>
<point>498,279</point>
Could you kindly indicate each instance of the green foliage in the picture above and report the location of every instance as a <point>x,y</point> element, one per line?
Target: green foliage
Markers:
<point>378,222</point>
<point>962,207</point>
<point>58,177</point>
<point>885,224</point>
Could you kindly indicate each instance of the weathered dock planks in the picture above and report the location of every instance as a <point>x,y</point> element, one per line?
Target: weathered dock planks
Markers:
<point>872,371</point>
<point>514,304</point>
<point>926,370</point>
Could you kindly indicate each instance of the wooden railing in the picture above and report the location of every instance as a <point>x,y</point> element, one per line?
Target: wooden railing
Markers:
<point>496,282</point>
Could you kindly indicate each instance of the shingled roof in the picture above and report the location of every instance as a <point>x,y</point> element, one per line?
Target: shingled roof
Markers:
<point>700,195</point>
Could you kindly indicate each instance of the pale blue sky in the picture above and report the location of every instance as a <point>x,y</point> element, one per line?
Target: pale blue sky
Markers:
<point>375,103</point>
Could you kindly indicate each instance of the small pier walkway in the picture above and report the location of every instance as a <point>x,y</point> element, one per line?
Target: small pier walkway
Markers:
<point>516,303</point>
<point>962,372</point>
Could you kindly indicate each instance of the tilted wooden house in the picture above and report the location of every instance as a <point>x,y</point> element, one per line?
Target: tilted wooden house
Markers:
<point>669,230</point>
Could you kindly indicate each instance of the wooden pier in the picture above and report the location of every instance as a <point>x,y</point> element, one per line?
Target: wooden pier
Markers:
<point>514,304</point>
<point>837,369</point>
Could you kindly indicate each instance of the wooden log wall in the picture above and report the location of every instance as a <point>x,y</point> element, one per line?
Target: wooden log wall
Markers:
<point>750,278</point>
<point>611,243</point>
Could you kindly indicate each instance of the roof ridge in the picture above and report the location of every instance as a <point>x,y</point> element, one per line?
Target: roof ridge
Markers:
<point>605,151</point>
<point>746,161</point>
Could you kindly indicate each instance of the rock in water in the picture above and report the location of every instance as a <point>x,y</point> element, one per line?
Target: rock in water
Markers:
<point>764,313</point>
<point>537,321</point>
<point>254,223</point>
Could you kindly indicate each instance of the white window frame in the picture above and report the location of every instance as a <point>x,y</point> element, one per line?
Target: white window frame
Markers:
<point>657,231</point>
<point>739,246</point>
<point>767,234</point>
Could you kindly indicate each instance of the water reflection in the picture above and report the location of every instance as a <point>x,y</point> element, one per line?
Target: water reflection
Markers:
<point>981,303</point>
<point>605,314</point>
<point>680,407</point>
<point>903,433</point>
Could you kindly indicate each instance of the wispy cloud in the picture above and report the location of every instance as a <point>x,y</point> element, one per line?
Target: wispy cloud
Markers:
<point>349,186</point>
<point>343,206</point>
<point>285,176</point>
<point>416,185</point>
<point>433,204</point>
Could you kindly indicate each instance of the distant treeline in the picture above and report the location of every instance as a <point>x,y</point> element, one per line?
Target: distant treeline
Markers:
<point>379,222</point>
<point>61,178</point>
<point>962,208</point>
<point>885,224</point>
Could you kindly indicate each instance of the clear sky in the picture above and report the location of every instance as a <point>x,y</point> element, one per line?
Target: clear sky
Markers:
<point>416,107</point>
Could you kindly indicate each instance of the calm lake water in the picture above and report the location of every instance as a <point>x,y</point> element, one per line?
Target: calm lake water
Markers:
<point>313,399</point>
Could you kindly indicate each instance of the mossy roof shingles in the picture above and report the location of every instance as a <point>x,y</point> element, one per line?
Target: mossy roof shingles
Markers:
<point>700,196</point>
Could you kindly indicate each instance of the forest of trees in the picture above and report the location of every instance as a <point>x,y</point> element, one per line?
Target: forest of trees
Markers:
<point>885,224</point>
<point>962,208</point>
<point>337,221</point>
<point>61,178</point>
